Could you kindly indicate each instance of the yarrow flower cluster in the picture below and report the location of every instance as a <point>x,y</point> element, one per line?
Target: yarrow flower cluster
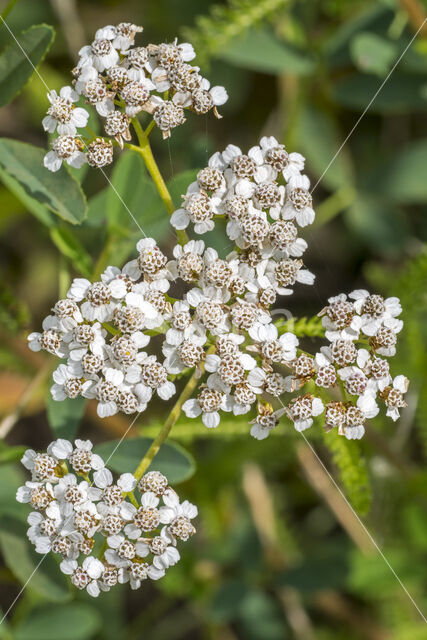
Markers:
<point>77,505</point>
<point>121,80</point>
<point>222,323</point>
<point>209,315</point>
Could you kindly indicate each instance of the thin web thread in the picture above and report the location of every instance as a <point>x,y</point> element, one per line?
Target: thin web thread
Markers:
<point>78,136</point>
<point>370,536</point>
<point>15,600</point>
<point>142,231</point>
<point>332,273</point>
<point>352,130</point>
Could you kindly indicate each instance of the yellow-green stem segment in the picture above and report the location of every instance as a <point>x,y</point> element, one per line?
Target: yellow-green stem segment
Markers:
<point>103,549</point>
<point>144,149</point>
<point>165,430</point>
<point>132,498</point>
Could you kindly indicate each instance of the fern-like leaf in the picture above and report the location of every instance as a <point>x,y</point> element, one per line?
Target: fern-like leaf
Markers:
<point>225,23</point>
<point>351,464</point>
<point>302,327</point>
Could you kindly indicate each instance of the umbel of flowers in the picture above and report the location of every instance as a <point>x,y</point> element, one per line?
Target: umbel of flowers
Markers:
<point>222,325</point>
<point>120,80</point>
<point>106,531</point>
<point>211,313</point>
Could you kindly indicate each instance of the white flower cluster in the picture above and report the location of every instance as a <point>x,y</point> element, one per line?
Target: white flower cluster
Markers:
<point>361,318</point>
<point>265,199</point>
<point>121,80</point>
<point>221,322</point>
<point>363,375</point>
<point>101,329</point>
<point>78,505</point>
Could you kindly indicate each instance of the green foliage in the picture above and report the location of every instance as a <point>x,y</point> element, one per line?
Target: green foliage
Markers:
<point>14,312</point>
<point>402,178</point>
<point>24,562</point>
<point>318,137</point>
<point>321,568</point>
<point>11,477</point>
<point>374,19</point>
<point>40,190</point>
<point>302,327</point>
<point>97,208</point>
<point>10,454</point>
<point>348,458</point>
<point>177,186</point>
<point>260,50</point>
<point>15,69</point>
<point>172,460</point>
<point>371,53</point>
<point>254,611</point>
<point>226,23</point>
<point>64,417</point>
<point>70,247</point>
<point>411,288</point>
<point>132,186</point>
<point>378,223</point>
<point>76,620</point>
<point>400,94</point>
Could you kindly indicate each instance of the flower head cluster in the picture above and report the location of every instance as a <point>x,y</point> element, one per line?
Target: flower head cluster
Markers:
<point>101,329</point>
<point>264,200</point>
<point>364,375</point>
<point>77,504</point>
<point>221,325</point>
<point>121,80</point>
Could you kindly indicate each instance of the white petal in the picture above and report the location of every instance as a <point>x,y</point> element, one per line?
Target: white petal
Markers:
<point>94,567</point>
<point>93,589</point>
<point>166,391</point>
<point>317,407</point>
<point>211,419</point>
<point>149,499</point>
<point>61,448</point>
<point>103,478</point>
<point>126,482</point>
<point>259,432</point>
<point>191,408</point>
<point>180,219</point>
<point>52,162</point>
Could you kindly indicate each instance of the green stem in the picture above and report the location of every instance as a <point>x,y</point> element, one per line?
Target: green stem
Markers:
<point>103,548</point>
<point>165,430</point>
<point>335,204</point>
<point>8,9</point>
<point>93,134</point>
<point>132,498</point>
<point>342,389</point>
<point>103,258</point>
<point>110,329</point>
<point>145,151</point>
<point>150,128</point>
<point>63,276</point>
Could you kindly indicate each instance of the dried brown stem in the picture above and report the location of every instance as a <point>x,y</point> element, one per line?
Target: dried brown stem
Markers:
<point>262,510</point>
<point>322,484</point>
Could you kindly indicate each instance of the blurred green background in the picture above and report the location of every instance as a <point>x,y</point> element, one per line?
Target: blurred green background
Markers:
<point>278,553</point>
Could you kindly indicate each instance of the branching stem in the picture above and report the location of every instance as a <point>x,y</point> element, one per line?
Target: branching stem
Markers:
<point>165,430</point>
<point>144,149</point>
<point>169,423</point>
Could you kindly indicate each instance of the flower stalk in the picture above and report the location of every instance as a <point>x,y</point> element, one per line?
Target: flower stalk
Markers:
<point>144,149</point>
<point>166,429</point>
